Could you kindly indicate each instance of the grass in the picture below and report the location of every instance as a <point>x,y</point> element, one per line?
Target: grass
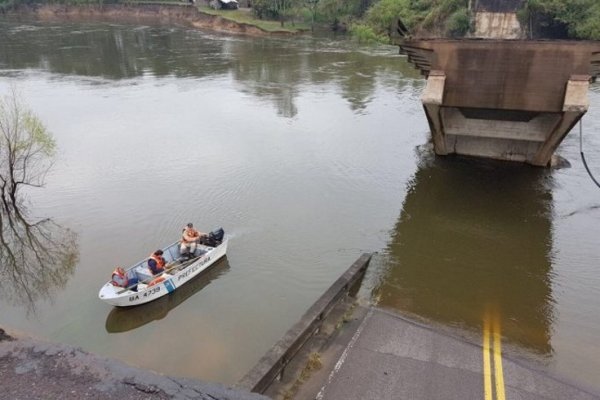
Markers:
<point>347,317</point>
<point>313,364</point>
<point>245,16</point>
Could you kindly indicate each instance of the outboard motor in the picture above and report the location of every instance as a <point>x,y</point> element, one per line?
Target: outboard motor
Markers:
<point>217,234</point>
<point>214,238</point>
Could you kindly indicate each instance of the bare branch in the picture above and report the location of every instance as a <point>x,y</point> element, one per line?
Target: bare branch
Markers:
<point>36,257</point>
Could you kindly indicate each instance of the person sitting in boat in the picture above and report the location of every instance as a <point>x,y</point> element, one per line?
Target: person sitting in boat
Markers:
<point>189,240</point>
<point>119,278</point>
<point>156,262</point>
<point>124,279</point>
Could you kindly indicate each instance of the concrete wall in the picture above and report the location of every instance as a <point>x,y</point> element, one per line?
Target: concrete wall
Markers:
<point>497,19</point>
<point>499,6</point>
<point>509,75</point>
<point>497,26</point>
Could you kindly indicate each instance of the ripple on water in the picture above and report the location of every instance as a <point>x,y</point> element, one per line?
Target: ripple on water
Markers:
<point>192,127</point>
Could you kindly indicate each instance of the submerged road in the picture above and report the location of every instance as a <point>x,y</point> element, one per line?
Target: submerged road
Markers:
<point>390,357</point>
<point>387,356</point>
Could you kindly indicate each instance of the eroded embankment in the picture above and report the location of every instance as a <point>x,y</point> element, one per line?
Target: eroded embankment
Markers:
<point>34,369</point>
<point>182,14</point>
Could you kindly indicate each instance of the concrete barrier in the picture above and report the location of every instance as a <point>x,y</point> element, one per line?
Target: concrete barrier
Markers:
<point>273,363</point>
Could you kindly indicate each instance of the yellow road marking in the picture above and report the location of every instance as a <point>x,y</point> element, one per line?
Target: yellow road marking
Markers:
<point>487,368</point>
<point>500,395</point>
<point>492,342</point>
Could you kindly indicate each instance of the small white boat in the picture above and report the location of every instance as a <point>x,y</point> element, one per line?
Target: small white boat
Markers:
<point>178,271</point>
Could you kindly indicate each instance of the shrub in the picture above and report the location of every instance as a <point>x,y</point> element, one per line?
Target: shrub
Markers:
<point>458,23</point>
<point>365,34</point>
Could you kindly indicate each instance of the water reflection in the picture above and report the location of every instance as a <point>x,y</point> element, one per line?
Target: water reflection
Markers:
<point>36,256</point>
<point>475,238</point>
<point>277,71</point>
<point>109,51</point>
<point>36,259</point>
<point>274,70</point>
<point>126,319</point>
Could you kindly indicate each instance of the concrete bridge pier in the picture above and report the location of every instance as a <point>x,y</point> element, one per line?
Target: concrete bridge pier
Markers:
<point>516,137</point>
<point>575,105</point>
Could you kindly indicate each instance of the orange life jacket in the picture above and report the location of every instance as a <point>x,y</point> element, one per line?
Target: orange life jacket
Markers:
<point>156,281</point>
<point>191,232</point>
<point>120,275</point>
<point>160,261</point>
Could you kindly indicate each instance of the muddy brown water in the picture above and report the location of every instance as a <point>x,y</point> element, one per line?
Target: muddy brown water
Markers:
<point>308,151</point>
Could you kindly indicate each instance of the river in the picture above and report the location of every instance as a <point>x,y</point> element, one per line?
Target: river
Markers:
<point>308,152</point>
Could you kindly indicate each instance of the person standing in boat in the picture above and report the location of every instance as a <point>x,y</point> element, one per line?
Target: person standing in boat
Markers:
<point>156,262</point>
<point>189,240</point>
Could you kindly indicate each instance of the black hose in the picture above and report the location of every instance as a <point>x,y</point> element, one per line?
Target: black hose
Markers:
<point>583,157</point>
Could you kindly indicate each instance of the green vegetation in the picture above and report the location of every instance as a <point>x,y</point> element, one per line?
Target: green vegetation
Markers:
<point>366,34</point>
<point>579,19</point>
<point>26,146</point>
<point>572,19</point>
<point>313,363</point>
<point>437,17</point>
<point>6,5</point>
<point>375,20</point>
<point>245,16</point>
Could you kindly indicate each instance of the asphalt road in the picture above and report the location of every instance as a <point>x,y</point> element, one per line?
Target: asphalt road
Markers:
<point>391,357</point>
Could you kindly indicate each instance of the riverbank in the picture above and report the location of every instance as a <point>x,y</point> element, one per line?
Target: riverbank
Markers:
<point>164,13</point>
<point>34,369</point>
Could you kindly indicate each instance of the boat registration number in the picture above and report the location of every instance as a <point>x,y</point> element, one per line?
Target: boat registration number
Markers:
<point>146,294</point>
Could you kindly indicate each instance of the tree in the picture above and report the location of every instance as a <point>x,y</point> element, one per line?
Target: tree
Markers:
<point>313,6</point>
<point>263,8</point>
<point>26,150</point>
<point>443,17</point>
<point>335,11</point>
<point>382,15</point>
<point>578,19</point>
<point>282,8</point>
<point>35,256</point>
<point>276,9</point>
<point>581,18</point>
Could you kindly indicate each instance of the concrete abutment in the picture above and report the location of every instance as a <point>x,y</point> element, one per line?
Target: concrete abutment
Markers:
<point>510,100</point>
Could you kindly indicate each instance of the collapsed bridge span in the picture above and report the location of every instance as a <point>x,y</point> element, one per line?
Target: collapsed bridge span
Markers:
<point>497,95</point>
<point>504,99</point>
